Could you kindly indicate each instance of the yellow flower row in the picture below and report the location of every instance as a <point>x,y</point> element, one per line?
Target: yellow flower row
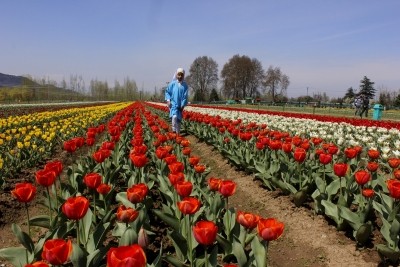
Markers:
<point>37,132</point>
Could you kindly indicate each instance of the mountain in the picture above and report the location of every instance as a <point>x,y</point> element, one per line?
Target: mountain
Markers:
<point>7,80</point>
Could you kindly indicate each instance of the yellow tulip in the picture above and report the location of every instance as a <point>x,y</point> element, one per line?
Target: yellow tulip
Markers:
<point>27,144</point>
<point>20,145</point>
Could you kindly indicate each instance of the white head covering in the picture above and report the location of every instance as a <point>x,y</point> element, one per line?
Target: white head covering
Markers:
<point>179,70</point>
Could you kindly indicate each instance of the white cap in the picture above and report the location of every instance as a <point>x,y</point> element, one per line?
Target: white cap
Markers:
<point>180,70</point>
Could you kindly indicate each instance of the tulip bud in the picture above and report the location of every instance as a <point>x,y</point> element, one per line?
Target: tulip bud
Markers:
<point>143,239</point>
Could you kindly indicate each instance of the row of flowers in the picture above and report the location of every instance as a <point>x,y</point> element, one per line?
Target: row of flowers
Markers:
<point>352,180</point>
<point>27,139</point>
<point>105,208</point>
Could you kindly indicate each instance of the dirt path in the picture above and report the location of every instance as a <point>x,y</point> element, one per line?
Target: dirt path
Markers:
<point>308,240</point>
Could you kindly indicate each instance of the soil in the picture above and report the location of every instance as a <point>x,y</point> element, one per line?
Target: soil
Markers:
<point>308,239</point>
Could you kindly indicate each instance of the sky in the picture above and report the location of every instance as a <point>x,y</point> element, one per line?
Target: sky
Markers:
<point>324,46</point>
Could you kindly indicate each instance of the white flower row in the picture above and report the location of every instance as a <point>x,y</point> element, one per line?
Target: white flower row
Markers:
<point>340,133</point>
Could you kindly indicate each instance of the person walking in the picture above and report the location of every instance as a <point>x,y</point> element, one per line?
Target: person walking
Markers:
<point>365,106</point>
<point>358,103</point>
<point>176,96</point>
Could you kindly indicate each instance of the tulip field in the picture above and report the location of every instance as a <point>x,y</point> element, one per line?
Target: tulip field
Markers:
<point>128,192</point>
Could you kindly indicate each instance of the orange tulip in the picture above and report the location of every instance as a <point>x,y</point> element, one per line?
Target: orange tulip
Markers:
<point>189,205</point>
<point>270,229</point>
<point>57,251</point>
<point>126,215</point>
<point>132,255</point>
<point>205,232</point>
<point>247,220</point>
<point>75,208</point>
<point>24,192</point>
<point>137,193</point>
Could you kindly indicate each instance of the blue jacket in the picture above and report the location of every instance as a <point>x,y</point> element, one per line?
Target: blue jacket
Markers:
<point>177,93</point>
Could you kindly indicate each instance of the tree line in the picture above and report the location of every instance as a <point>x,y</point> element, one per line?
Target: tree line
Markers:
<point>240,78</point>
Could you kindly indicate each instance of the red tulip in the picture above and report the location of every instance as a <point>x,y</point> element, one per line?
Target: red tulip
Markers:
<point>205,232</point>
<point>138,161</point>
<point>368,193</point>
<point>176,167</point>
<point>24,192</point>
<point>394,163</point>
<point>362,177</point>
<point>70,146</point>
<point>287,147</point>
<point>137,193</point>
<point>186,151</point>
<point>75,208</point>
<point>55,166</point>
<point>299,155</point>
<point>214,183</point>
<point>161,152</point>
<point>108,145</point>
<point>332,149</point>
<point>340,169</point>
<point>45,177</point>
<point>103,189</point>
<point>372,166</point>
<point>350,152</point>
<point>56,251</point>
<point>140,149</point>
<point>270,229</point>
<point>126,215</point>
<point>194,160</point>
<point>90,141</point>
<point>170,159</point>
<point>37,264</point>
<point>199,168</point>
<point>92,180</point>
<point>189,205</point>
<point>394,188</point>
<point>325,158</point>
<point>396,174</point>
<point>175,178</point>
<point>373,154</point>
<point>247,220</point>
<point>101,155</point>
<point>227,188</point>
<point>132,255</point>
<point>184,188</point>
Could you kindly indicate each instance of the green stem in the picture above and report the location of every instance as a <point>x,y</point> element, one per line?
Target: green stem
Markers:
<point>77,232</point>
<point>94,207</point>
<point>228,219</point>
<point>27,215</point>
<point>299,171</point>
<point>323,168</point>
<point>206,256</point>
<point>48,195</point>
<point>189,238</point>
<point>55,188</point>
<point>266,243</point>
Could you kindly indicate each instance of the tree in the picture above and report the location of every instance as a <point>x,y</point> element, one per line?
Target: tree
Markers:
<point>276,82</point>
<point>367,87</point>
<point>241,77</point>
<point>214,95</point>
<point>203,76</point>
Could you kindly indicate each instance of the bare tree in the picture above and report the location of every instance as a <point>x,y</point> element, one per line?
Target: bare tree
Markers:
<point>203,77</point>
<point>241,76</point>
<point>276,82</point>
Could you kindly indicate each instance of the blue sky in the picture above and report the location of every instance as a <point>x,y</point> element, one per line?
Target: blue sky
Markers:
<point>325,45</point>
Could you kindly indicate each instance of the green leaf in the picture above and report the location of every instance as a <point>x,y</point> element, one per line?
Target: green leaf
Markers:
<point>121,197</point>
<point>23,238</point>
<point>180,244</point>
<point>97,237</point>
<point>78,256</point>
<point>174,261</point>
<point>238,251</point>
<point>331,210</point>
<point>351,217</point>
<point>225,244</point>
<point>41,221</point>
<point>15,255</point>
<point>129,237</point>
<point>260,252</point>
<point>168,219</point>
